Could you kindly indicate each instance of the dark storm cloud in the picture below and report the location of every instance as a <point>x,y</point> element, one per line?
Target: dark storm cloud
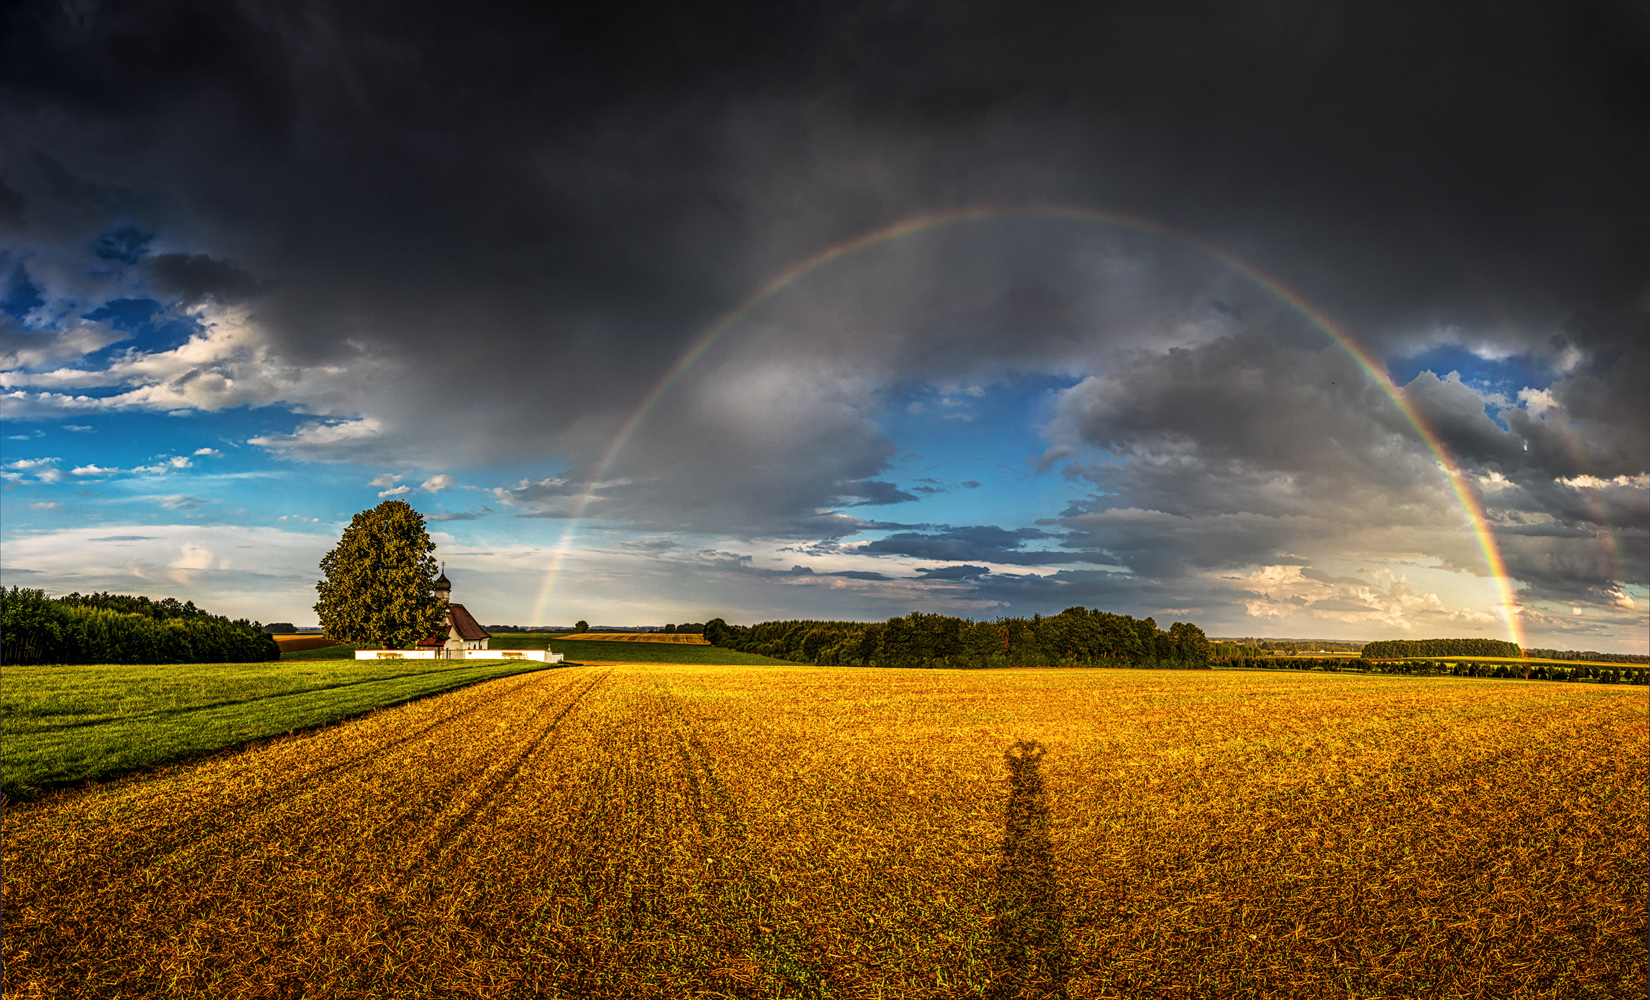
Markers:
<point>983,542</point>
<point>11,205</point>
<point>1601,399</point>
<point>465,515</point>
<point>742,565</point>
<point>873,493</point>
<point>1290,449</point>
<point>557,200</point>
<point>127,244</point>
<point>195,276</point>
<point>578,180</point>
<point>1280,428</point>
<point>963,572</point>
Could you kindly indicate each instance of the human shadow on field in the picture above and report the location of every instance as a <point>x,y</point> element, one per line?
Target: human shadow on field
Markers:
<point>1030,923</point>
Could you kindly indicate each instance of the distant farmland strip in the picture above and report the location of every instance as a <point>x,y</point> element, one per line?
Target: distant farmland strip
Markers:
<point>659,832</point>
<point>585,651</point>
<point>693,640</point>
<point>297,643</point>
<point>590,650</point>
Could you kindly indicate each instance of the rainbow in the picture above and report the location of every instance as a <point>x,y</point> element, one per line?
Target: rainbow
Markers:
<point>1458,483</point>
<point>1572,443</point>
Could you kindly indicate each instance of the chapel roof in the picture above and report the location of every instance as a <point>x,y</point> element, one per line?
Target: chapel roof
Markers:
<point>466,626</point>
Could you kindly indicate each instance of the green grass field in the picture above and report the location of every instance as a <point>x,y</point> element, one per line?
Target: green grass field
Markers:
<point>342,651</point>
<point>64,724</point>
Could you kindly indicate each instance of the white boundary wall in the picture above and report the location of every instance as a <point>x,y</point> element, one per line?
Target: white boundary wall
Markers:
<point>540,655</point>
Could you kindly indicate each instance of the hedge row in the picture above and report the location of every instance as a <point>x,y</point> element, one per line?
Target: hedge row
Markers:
<point>1074,637</point>
<point>1439,668</point>
<point>37,629</point>
<point>1396,648</point>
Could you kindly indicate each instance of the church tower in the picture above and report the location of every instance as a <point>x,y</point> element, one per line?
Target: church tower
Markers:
<point>443,589</point>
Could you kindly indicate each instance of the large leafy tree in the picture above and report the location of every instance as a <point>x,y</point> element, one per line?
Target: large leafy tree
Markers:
<point>380,580</point>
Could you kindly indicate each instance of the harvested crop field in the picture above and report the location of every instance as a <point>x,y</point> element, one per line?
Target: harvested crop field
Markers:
<point>759,831</point>
<point>692,640</point>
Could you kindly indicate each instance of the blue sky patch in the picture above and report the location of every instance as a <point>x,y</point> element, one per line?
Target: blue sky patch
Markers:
<point>1506,375</point>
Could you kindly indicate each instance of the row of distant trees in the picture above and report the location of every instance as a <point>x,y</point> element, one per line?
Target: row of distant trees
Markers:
<point>115,628</point>
<point>1398,648</point>
<point>1571,654</point>
<point>1240,649</point>
<point>1589,673</point>
<point>1074,637</point>
<point>1261,647</point>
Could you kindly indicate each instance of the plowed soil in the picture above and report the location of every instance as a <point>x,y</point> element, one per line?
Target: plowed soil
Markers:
<point>775,831</point>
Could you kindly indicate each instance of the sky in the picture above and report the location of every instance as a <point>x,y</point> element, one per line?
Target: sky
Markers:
<point>1290,319</point>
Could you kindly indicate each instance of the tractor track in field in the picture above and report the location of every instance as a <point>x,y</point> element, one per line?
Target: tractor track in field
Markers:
<point>216,863</point>
<point>213,819</point>
<point>698,763</point>
<point>780,943</point>
<point>486,794</point>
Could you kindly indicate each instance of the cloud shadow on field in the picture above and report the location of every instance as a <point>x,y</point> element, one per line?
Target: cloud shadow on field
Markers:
<point>1030,923</point>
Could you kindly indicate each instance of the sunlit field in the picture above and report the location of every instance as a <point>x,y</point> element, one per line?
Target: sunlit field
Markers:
<point>304,641</point>
<point>685,830</point>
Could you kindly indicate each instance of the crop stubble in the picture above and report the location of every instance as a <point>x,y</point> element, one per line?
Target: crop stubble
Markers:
<point>739,831</point>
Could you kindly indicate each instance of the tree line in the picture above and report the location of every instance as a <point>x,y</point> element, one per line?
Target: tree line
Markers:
<point>1437,668</point>
<point>162,610</point>
<point>116,628</point>
<point>1075,637</point>
<point>1250,646</point>
<point>1399,648</point>
<point>1571,654</point>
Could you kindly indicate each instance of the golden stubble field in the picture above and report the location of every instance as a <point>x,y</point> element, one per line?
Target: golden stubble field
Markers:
<point>665,831</point>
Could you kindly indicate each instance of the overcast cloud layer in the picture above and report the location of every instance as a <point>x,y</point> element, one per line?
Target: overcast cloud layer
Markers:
<point>265,265</point>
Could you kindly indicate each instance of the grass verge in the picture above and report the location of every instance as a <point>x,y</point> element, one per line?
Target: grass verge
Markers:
<point>65,724</point>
